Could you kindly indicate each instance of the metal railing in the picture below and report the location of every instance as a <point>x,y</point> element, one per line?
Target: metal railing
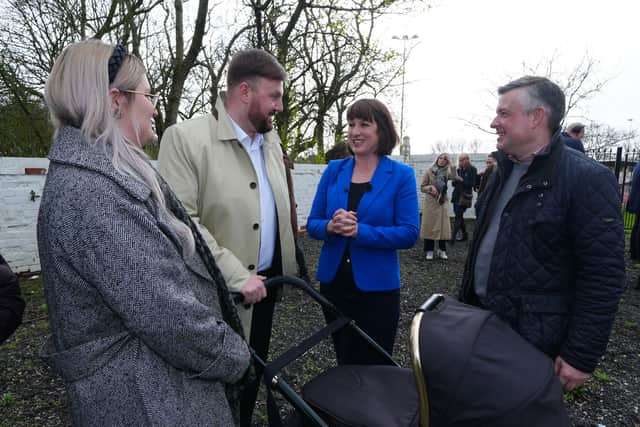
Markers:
<point>621,162</point>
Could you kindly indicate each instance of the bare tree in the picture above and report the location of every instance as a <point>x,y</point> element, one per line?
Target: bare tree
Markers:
<point>328,50</point>
<point>598,136</point>
<point>183,58</point>
<point>580,84</point>
<point>33,34</point>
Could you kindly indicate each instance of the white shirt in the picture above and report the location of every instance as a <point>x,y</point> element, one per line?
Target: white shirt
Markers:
<point>268,217</point>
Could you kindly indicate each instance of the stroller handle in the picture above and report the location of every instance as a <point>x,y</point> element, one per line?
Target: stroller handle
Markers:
<point>429,305</point>
<point>295,282</point>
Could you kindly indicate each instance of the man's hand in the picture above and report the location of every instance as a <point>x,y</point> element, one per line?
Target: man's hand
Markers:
<point>253,290</point>
<point>569,376</point>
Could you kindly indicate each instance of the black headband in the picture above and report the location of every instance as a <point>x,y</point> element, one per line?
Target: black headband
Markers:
<point>115,61</point>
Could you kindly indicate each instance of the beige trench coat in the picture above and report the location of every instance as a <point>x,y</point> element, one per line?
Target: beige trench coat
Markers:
<point>435,224</point>
<point>213,176</point>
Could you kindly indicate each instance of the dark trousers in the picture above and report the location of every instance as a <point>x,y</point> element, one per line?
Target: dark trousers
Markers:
<point>376,313</point>
<point>634,243</point>
<point>429,245</point>
<point>458,223</point>
<point>261,323</point>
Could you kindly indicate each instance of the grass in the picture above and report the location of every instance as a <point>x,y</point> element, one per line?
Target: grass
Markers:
<point>7,399</point>
<point>577,394</point>
<point>601,376</point>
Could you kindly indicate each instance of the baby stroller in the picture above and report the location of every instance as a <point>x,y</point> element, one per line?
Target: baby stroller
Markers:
<point>468,369</point>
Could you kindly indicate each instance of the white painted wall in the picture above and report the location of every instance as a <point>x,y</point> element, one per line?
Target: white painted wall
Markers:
<point>18,213</point>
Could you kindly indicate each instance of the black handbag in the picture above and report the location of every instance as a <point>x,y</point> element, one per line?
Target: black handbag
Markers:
<point>465,199</point>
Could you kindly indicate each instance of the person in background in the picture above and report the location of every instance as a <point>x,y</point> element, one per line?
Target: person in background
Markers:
<point>340,150</point>
<point>483,177</point>
<point>144,330</point>
<point>573,135</point>
<point>11,302</point>
<point>435,215</point>
<point>462,196</point>
<point>633,206</point>
<point>227,168</point>
<point>364,210</point>
<point>548,249</point>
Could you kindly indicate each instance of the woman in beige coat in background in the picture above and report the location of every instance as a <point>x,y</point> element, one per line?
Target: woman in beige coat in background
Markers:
<point>435,216</point>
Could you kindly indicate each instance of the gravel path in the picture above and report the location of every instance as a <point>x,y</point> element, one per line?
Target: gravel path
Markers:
<point>31,395</point>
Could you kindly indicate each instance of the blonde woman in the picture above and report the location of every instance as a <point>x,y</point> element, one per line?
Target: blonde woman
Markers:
<point>435,224</point>
<point>143,329</point>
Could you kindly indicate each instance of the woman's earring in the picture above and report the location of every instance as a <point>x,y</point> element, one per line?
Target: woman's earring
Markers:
<point>117,114</point>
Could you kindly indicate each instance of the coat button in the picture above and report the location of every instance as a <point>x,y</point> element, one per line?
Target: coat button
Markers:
<point>251,267</point>
<point>541,195</point>
<point>253,185</point>
<point>545,183</point>
<point>256,226</point>
<point>529,187</point>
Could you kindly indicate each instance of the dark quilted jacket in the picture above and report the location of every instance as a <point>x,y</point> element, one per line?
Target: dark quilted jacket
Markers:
<point>557,270</point>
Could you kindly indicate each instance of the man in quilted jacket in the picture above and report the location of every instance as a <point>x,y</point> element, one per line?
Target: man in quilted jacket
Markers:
<point>548,250</point>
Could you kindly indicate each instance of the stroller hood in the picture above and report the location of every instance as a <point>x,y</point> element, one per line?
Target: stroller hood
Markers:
<point>479,372</point>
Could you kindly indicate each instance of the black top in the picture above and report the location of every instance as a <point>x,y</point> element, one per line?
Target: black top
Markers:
<point>344,273</point>
<point>356,191</point>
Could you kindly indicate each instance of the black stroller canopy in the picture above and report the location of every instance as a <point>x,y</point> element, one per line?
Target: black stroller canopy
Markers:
<point>479,372</point>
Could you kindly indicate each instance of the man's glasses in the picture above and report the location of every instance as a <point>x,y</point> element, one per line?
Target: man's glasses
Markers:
<point>153,97</point>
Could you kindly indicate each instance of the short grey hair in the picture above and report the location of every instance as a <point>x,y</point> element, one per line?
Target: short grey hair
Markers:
<point>541,92</point>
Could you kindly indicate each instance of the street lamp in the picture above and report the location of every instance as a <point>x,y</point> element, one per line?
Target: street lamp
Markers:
<point>405,38</point>
<point>405,149</point>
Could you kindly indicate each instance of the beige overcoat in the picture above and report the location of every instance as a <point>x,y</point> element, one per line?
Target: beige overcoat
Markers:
<point>212,174</point>
<point>435,223</point>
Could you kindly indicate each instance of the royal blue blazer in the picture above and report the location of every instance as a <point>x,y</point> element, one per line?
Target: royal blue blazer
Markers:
<point>388,220</point>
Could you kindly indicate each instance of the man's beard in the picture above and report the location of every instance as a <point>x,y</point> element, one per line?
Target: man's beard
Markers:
<point>260,122</point>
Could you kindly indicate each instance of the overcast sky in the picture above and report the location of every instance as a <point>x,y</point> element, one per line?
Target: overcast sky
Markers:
<point>466,48</point>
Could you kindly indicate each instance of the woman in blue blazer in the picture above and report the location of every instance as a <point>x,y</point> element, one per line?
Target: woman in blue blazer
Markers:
<point>365,209</point>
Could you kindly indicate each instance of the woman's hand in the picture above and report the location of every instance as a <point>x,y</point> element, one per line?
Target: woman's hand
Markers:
<point>433,191</point>
<point>343,223</point>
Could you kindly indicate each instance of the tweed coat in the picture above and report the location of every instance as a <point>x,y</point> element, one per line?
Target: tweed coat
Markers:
<point>137,331</point>
<point>212,174</point>
<point>435,224</point>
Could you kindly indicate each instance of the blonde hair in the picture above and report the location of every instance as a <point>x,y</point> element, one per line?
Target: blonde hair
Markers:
<point>446,156</point>
<point>77,94</point>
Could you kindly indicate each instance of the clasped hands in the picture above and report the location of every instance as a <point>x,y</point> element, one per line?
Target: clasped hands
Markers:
<point>343,223</point>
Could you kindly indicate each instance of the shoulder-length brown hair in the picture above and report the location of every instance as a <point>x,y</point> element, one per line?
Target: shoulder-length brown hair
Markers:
<point>375,111</point>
